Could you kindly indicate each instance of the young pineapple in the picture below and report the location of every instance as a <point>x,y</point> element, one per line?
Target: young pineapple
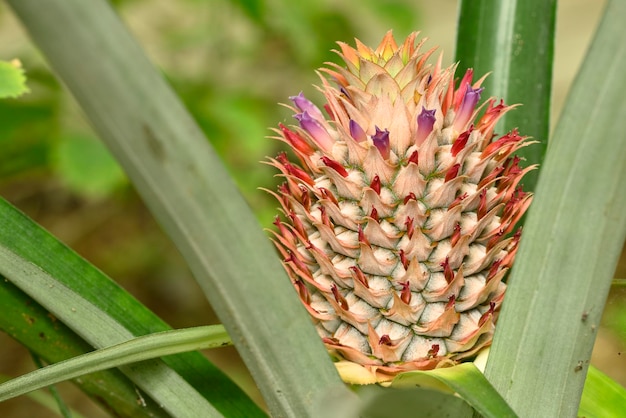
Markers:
<point>399,211</point>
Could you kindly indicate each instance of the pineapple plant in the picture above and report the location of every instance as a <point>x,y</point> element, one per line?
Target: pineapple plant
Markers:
<point>400,210</point>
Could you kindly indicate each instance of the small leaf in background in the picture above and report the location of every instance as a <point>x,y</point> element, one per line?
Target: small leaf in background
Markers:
<point>86,166</point>
<point>12,79</point>
<point>602,397</point>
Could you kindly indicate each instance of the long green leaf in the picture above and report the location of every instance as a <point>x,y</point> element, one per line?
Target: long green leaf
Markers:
<point>572,240</point>
<point>464,379</point>
<point>47,401</point>
<point>17,235</point>
<point>139,349</point>
<point>34,327</point>
<point>162,383</point>
<point>514,41</point>
<point>190,193</point>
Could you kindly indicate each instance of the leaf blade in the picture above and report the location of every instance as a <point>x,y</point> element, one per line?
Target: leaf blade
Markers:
<point>34,327</point>
<point>573,237</point>
<point>466,380</point>
<point>138,349</point>
<point>514,40</point>
<point>70,270</point>
<point>162,383</point>
<point>411,403</point>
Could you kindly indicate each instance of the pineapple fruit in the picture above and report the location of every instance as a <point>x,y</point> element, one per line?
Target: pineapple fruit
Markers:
<point>399,212</point>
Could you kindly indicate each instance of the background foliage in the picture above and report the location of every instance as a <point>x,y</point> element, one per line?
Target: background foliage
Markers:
<point>231,62</point>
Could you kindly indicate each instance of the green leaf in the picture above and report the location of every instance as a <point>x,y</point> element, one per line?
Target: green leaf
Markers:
<point>12,79</point>
<point>602,396</point>
<point>162,383</point>
<point>86,166</point>
<point>514,41</point>
<point>190,193</point>
<point>61,405</point>
<point>411,403</point>
<point>47,401</point>
<point>138,349</point>
<point>121,316</point>
<point>373,401</point>
<point>464,379</point>
<point>34,327</point>
<point>572,240</point>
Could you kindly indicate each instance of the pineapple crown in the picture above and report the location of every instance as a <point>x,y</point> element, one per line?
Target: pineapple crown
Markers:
<point>399,212</point>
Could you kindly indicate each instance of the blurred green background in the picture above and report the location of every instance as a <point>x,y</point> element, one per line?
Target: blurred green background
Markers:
<point>231,62</point>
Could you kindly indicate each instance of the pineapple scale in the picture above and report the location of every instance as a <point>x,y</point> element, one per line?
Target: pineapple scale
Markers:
<point>399,209</point>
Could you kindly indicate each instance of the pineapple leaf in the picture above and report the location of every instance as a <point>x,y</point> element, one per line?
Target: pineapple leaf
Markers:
<point>602,396</point>
<point>414,402</point>
<point>514,42</point>
<point>51,341</point>
<point>60,403</point>
<point>48,401</point>
<point>138,349</point>
<point>190,193</point>
<point>464,379</point>
<point>572,240</point>
<point>94,325</point>
<point>121,316</point>
<point>405,402</point>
